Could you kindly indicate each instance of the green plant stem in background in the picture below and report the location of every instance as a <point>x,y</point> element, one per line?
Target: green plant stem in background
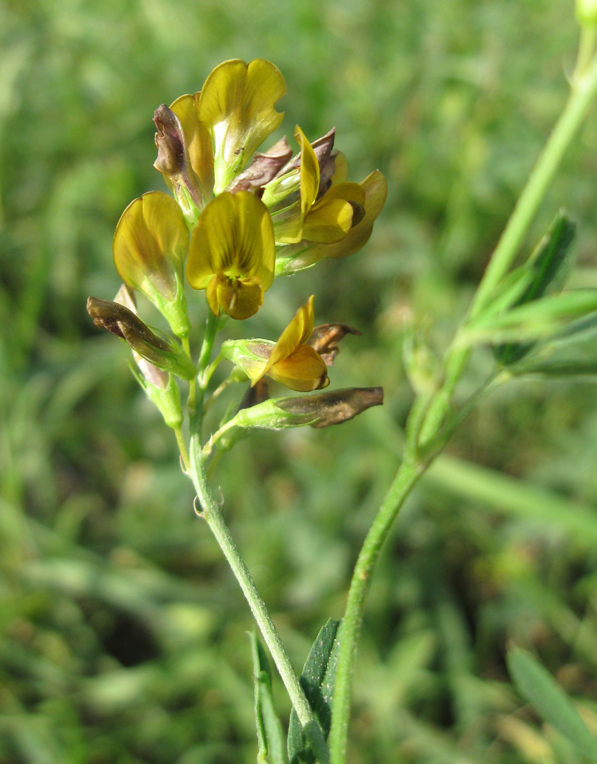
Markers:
<point>566,129</point>
<point>405,480</point>
<point>584,88</point>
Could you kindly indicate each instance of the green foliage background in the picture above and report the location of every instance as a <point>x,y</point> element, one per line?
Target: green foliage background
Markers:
<point>122,632</point>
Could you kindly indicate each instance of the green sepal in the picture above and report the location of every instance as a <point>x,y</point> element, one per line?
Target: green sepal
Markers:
<point>546,696</point>
<point>279,189</point>
<point>549,265</point>
<point>248,355</point>
<point>166,399</point>
<point>317,680</point>
<point>270,738</point>
<point>270,415</point>
<point>174,311</point>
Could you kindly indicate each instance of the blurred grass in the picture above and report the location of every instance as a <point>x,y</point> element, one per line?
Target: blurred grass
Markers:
<point>122,635</point>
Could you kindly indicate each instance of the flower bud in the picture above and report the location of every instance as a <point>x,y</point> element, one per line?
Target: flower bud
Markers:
<point>320,410</point>
<point>149,248</point>
<point>159,386</point>
<point>173,162</point>
<point>151,344</point>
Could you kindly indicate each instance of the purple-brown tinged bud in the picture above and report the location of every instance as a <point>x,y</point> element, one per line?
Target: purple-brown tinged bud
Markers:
<point>155,346</point>
<point>325,409</point>
<point>325,338</point>
<point>262,169</point>
<point>169,139</point>
<point>173,162</point>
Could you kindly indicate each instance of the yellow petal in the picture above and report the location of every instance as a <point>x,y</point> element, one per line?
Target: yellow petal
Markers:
<point>375,187</point>
<point>288,224</point>
<point>303,371</point>
<point>340,168</point>
<point>331,218</point>
<point>239,298</point>
<point>233,236</point>
<point>237,106</point>
<point>289,221</point>
<point>150,244</point>
<point>298,331</point>
<point>309,172</point>
<point>329,222</point>
<point>197,140</point>
<point>305,254</point>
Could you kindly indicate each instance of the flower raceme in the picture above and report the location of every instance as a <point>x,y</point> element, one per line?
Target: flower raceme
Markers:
<point>237,218</point>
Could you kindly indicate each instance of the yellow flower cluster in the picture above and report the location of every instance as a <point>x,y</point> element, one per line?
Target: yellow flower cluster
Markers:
<point>239,218</point>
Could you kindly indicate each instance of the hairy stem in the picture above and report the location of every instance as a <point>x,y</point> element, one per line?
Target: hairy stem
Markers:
<point>210,512</point>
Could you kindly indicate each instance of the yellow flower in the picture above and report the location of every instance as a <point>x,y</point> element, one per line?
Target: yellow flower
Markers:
<point>232,254</point>
<point>149,247</point>
<point>237,107</point>
<point>290,360</point>
<point>326,218</point>
<point>306,253</point>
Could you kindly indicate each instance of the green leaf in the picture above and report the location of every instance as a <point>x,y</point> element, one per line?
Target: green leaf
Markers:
<point>317,680</point>
<point>535,320</point>
<point>547,267</point>
<point>270,738</point>
<point>549,700</point>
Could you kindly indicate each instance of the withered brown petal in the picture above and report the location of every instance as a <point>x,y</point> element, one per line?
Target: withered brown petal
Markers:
<point>263,168</point>
<point>325,338</point>
<point>334,407</point>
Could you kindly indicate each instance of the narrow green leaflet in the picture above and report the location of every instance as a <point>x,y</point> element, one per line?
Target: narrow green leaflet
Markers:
<point>549,700</point>
<point>533,321</point>
<point>545,272</point>
<point>317,680</point>
<point>572,352</point>
<point>270,738</point>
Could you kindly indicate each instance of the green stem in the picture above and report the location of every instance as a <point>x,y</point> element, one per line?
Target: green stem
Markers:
<point>406,478</point>
<point>582,94</point>
<point>564,132</point>
<point>210,511</point>
<point>208,447</point>
<point>584,89</point>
